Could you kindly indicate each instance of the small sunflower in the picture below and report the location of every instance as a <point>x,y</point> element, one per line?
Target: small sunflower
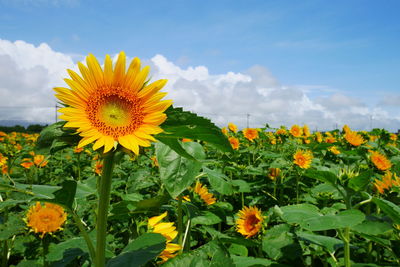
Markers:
<point>334,150</point>
<point>274,173</point>
<point>202,191</point>
<point>249,222</point>
<point>318,137</point>
<point>306,131</point>
<point>45,219</point>
<point>380,161</point>
<point>354,138</point>
<point>232,127</point>
<point>168,230</point>
<point>40,161</point>
<point>303,158</point>
<point>281,131</point>
<point>388,181</point>
<point>224,130</point>
<point>110,106</point>
<point>250,133</point>
<point>234,142</point>
<point>346,128</point>
<point>296,131</point>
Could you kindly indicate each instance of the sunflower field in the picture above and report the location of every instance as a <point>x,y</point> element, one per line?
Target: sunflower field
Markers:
<point>126,179</point>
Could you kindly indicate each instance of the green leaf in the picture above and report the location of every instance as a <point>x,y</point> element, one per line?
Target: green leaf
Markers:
<point>28,263</point>
<point>330,243</point>
<point>178,173</point>
<point>141,250</point>
<point>195,258</point>
<point>9,203</point>
<point>220,258</point>
<point>360,182</point>
<point>298,213</point>
<point>184,124</point>
<point>278,243</point>
<point>372,227</point>
<point>389,208</point>
<point>243,261</point>
<point>347,218</point>
<point>66,195</point>
<point>323,176</point>
<point>206,218</point>
<point>13,226</point>
<point>175,145</point>
<point>56,251</point>
<point>54,137</point>
<point>218,181</point>
<point>241,186</point>
<point>238,250</point>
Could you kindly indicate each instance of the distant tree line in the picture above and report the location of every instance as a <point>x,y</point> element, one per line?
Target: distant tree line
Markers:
<point>33,128</point>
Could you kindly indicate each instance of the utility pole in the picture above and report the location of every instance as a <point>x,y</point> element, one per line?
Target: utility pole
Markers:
<point>370,122</point>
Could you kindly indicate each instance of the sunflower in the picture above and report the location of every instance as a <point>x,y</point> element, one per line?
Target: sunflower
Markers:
<point>45,219</point>
<point>306,131</point>
<point>98,167</point>
<point>274,173</point>
<point>388,181</point>
<point>346,128</point>
<point>380,161</point>
<point>250,133</point>
<point>354,138</point>
<point>232,127</point>
<point>318,137</point>
<point>281,131</point>
<point>249,222</point>
<point>39,161</point>
<point>234,142</point>
<point>334,150</point>
<point>168,230</point>
<point>296,131</point>
<point>303,158</point>
<point>27,163</point>
<point>3,160</point>
<point>224,131</point>
<point>393,137</point>
<point>202,191</point>
<point>113,106</point>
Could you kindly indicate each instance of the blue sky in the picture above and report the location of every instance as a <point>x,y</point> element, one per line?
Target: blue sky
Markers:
<point>347,47</point>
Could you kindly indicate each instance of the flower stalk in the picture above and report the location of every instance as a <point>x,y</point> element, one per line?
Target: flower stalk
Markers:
<point>104,203</point>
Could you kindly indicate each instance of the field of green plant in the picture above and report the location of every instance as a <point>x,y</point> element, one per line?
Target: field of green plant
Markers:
<point>257,197</point>
<point>126,179</point>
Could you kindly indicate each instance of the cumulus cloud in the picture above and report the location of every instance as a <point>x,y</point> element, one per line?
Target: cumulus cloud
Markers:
<point>254,97</point>
<point>27,74</point>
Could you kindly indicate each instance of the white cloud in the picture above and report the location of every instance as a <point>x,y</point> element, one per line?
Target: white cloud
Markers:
<point>28,73</point>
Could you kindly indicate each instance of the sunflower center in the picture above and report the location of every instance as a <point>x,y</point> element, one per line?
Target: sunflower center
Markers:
<point>114,111</point>
<point>251,222</point>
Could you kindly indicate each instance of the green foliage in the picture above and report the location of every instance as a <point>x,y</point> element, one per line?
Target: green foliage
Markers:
<point>176,172</point>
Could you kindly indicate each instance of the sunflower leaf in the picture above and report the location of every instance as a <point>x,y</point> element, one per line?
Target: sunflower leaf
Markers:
<point>54,138</point>
<point>184,124</point>
<point>141,250</point>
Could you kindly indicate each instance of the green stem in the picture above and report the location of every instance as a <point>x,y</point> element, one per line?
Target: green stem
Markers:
<point>5,254</point>
<point>297,190</point>
<point>180,221</point>
<point>85,235</point>
<point>104,202</point>
<point>45,245</point>
<point>346,241</point>
<point>79,166</point>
